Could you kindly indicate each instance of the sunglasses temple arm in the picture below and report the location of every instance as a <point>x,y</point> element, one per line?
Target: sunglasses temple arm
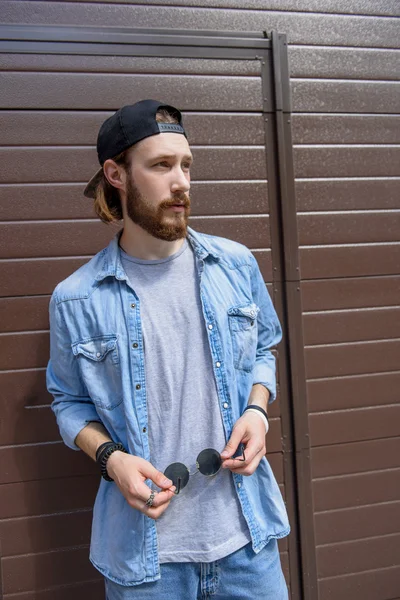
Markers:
<point>178,486</point>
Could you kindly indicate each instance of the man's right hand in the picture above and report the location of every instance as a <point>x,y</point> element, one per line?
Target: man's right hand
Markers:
<point>129,473</point>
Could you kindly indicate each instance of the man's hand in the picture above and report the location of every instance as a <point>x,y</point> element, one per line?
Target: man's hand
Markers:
<point>129,473</point>
<point>250,431</point>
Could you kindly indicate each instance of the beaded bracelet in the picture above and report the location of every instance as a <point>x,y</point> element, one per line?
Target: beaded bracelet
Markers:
<point>103,453</point>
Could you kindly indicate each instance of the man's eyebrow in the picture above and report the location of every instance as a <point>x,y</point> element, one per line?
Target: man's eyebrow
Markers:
<point>169,156</point>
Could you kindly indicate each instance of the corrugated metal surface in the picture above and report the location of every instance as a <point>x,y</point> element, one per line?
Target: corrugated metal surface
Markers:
<point>345,122</point>
<point>316,28</point>
<point>47,230</point>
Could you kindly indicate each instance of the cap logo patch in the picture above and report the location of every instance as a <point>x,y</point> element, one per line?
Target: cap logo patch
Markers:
<point>170,127</point>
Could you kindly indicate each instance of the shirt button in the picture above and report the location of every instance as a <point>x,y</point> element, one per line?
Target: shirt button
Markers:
<point>98,354</point>
<point>210,326</point>
<point>138,386</point>
<point>239,485</point>
<point>135,345</point>
<point>218,364</point>
<point>225,405</point>
<point>133,305</point>
<point>144,429</point>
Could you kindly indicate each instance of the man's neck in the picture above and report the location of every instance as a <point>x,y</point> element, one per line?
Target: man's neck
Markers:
<point>138,243</point>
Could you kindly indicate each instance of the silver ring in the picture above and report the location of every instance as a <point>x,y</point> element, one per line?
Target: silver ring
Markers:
<point>150,501</point>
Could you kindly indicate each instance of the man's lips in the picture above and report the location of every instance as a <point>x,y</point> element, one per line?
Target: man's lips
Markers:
<point>177,207</point>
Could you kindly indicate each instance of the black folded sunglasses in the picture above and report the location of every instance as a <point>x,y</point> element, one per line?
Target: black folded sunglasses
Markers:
<point>208,463</point>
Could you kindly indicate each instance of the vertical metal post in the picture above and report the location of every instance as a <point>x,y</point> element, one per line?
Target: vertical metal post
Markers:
<point>287,279</point>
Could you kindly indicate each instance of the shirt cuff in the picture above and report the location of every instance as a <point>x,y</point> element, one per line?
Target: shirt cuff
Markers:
<point>72,419</point>
<point>265,376</point>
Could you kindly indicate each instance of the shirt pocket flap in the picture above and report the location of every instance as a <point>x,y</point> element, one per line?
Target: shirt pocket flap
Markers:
<point>244,310</point>
<point>95,348</point>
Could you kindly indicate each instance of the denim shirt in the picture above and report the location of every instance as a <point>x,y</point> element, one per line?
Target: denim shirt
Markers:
<point>96,372</point>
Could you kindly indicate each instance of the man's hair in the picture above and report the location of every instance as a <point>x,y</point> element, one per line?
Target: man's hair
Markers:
<point>107,201</point>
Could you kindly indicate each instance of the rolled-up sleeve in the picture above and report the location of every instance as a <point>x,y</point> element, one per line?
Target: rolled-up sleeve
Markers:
<point>269,334</point>
<point>72,406</point>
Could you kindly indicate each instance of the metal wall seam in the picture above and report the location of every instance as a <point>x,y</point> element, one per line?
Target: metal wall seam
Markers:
<point>288,282</point>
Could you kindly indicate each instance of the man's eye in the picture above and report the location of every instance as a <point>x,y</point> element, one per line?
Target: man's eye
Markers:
<point>186,166</point>
<point>161,164</point>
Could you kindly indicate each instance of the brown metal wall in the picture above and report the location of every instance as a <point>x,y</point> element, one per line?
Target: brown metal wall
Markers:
<point>345,124</point>
<point>51,109</point>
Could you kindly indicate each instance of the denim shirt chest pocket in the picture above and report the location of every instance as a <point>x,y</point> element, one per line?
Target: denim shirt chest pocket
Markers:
<point>243,329</point>
<point>100,369</point>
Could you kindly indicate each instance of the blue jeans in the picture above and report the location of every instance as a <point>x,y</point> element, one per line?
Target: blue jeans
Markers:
<point>242,575</point>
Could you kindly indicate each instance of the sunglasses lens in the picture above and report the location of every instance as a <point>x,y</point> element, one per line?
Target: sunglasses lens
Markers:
<point>209,462</point>
<point>175,472</point>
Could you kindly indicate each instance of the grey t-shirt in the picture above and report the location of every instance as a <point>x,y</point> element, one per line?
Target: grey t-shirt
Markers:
<point>204,522</point>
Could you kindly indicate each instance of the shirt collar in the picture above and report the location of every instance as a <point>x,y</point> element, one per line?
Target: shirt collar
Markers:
<point>112,265</point>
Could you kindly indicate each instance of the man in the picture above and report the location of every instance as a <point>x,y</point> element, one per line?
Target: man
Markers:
<point>160,361</point>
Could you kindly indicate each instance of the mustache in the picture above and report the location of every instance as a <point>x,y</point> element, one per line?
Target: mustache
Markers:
<point>180,198</point>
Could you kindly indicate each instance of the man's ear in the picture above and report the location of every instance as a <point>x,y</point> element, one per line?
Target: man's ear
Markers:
<point>115,174</point>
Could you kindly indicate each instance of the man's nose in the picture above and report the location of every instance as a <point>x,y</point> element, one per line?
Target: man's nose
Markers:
<point>180,181</point>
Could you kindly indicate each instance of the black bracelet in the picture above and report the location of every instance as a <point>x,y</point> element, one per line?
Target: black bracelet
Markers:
<point>103,453</point>
<point>254,406</point>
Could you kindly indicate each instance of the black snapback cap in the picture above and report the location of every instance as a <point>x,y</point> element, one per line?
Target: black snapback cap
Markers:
<point>128,126</point>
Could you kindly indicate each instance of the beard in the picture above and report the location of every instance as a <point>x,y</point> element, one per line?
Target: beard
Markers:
<point>169,226</point>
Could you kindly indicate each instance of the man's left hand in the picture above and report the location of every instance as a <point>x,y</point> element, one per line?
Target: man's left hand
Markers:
<point>250,431</point>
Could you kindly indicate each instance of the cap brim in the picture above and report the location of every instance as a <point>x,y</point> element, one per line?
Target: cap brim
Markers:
<point>90,189</point>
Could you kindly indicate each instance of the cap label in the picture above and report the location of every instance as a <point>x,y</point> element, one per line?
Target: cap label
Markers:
<point>170,127</point>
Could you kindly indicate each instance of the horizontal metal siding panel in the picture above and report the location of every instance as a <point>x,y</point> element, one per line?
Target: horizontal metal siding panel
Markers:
<point>350,293</point>
<point>126,64</point>
<point>368,7</point>
<point>377,584</point>
<point>355,424</point>
<point>23,426</point>
<point>348,194</point>
<point>338,96</point>
<point>355,391</point>
<point>361,555</point>
<point>98,91</point>
<point>344,63</point>
<point>43,461</point>
<point>325,29</point>
<point>66,201</point>
<point>21,277</point>
<point>19,240</point>
<point>349,227</point>
<point>50,239</point>
<point>75,128</point>
<point>29,498</point>
<point>350,261</point>
<point>356,523</point>
<point>356,490</point>
<point>352,326</point>
<point>78,164</point>
<point>80,591</point>
<point>46,569</point>
<point>26,388</point>
<point>347,161</point>
<point>25,350</point>
<point>30,276</point>
<point>45,532</point>
<point>357,457</point>
<point>344,129</point>
<point>26,313</point>
<point>352,359</point>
